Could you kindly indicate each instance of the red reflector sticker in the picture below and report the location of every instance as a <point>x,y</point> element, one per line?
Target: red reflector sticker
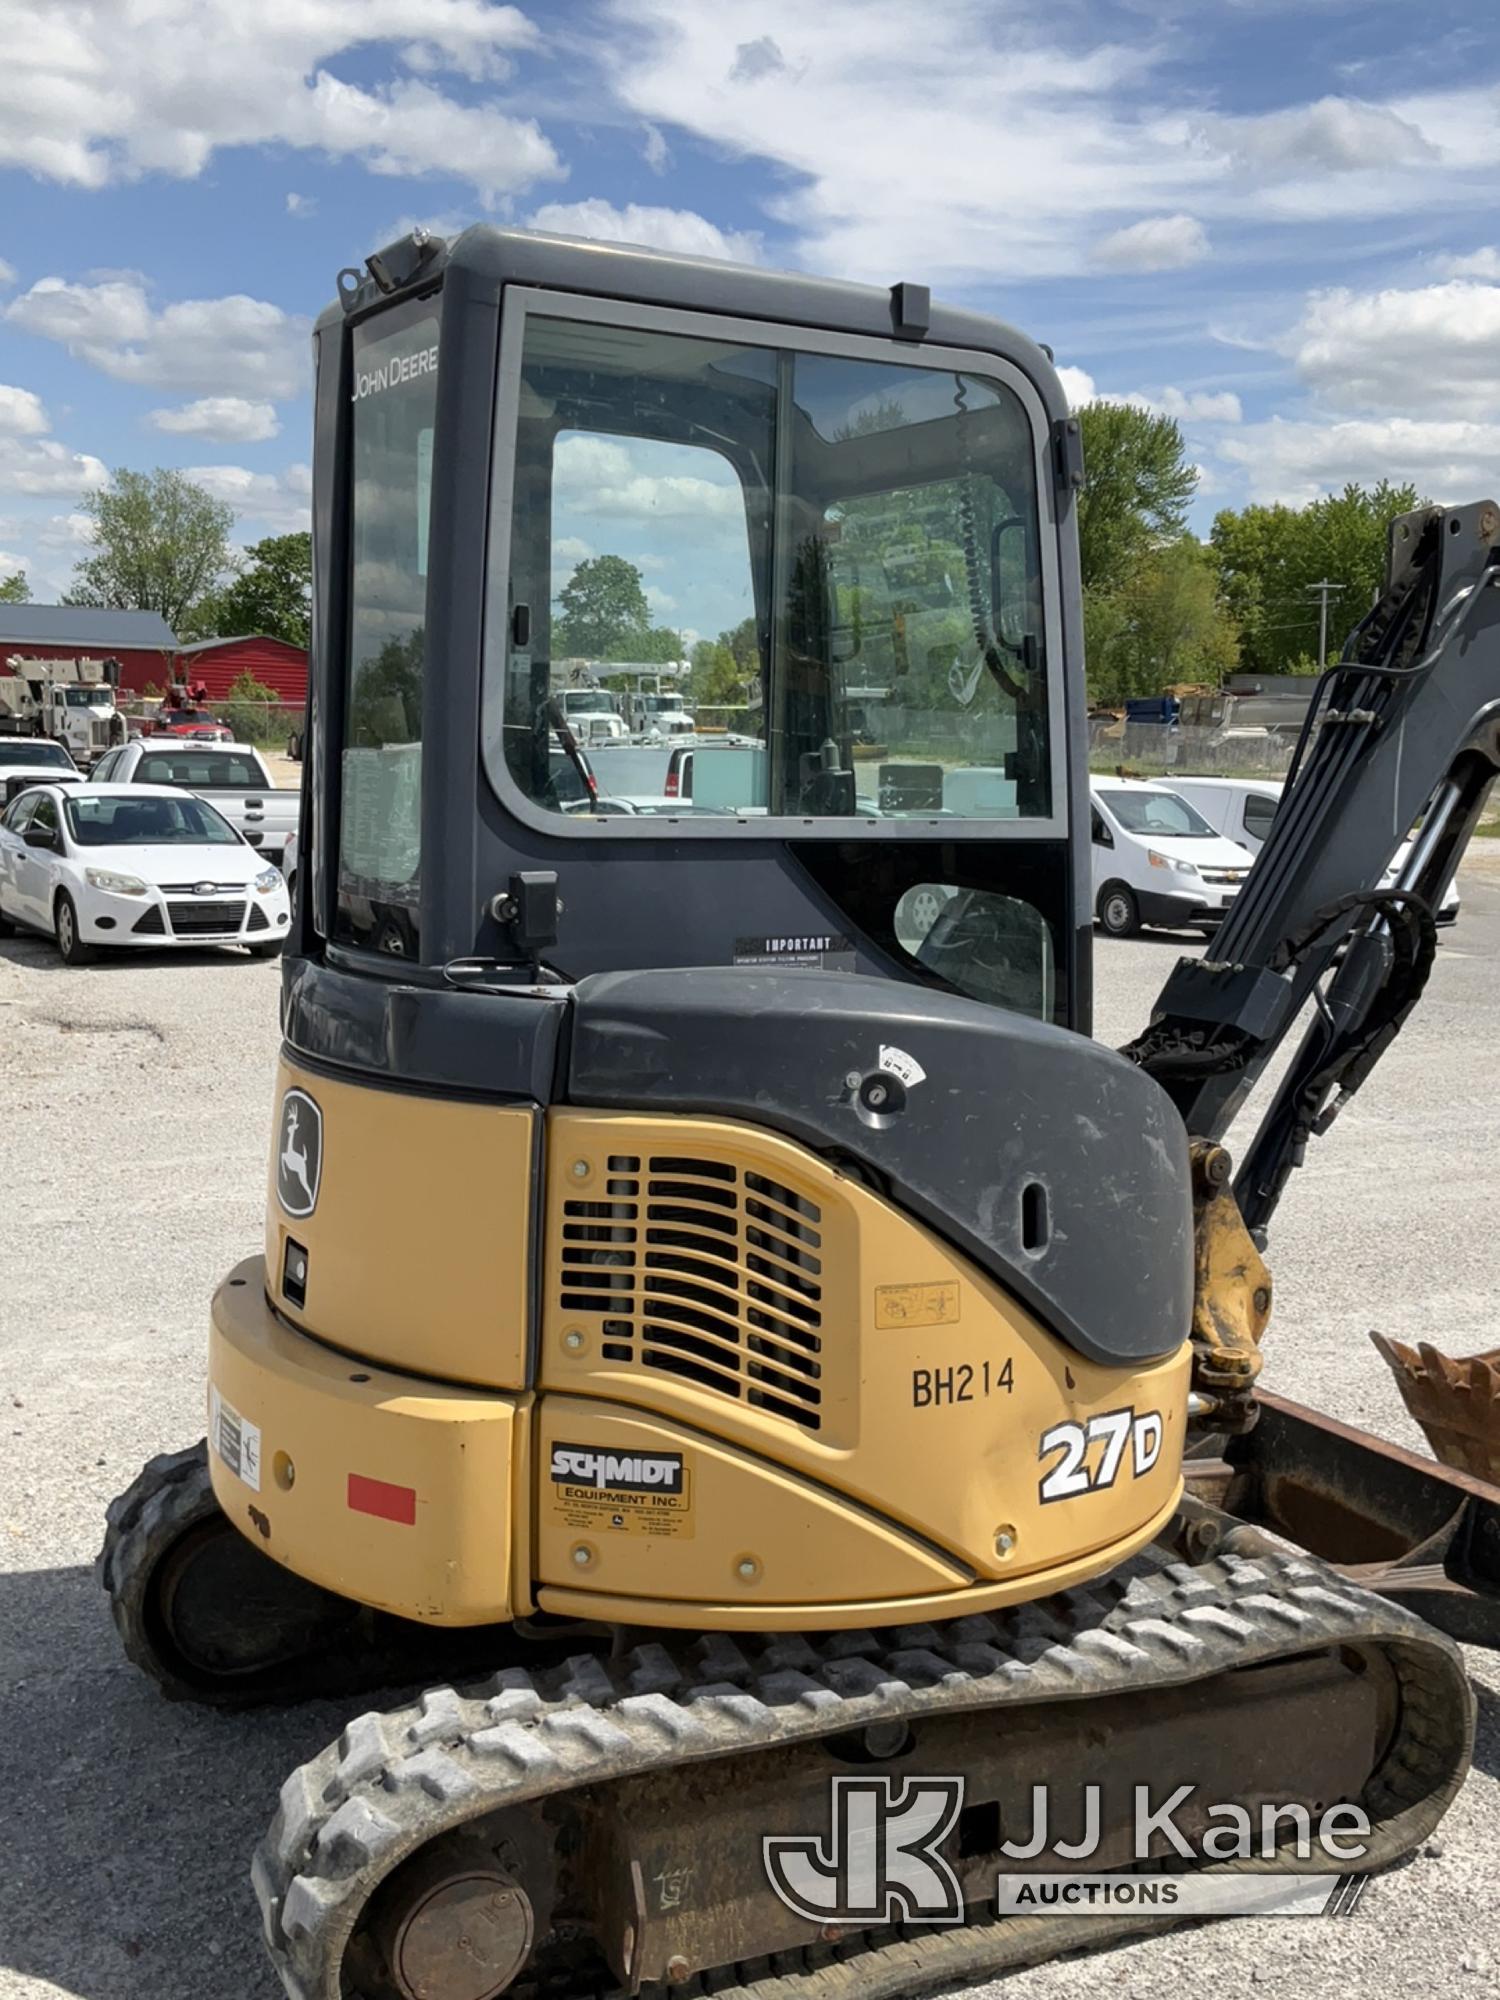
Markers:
<point>379,1497</point>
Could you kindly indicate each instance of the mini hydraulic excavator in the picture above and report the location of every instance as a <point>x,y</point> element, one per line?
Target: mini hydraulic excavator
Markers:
<point>718,1305</point>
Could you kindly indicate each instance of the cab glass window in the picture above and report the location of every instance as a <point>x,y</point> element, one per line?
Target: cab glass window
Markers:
<point>1163,815</point>
<point>198,768</point>
<point>379,859</point>
<point>833,563</point>
<point>1259,813</point>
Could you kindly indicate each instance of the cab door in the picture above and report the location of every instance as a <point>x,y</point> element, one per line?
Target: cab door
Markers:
<point>1102,847</point>
<point>14,855</point>
<point>36,866</point>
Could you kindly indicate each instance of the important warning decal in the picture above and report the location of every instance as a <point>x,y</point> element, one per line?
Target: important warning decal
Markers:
<point>916,1305</point>
<point>825,950</point>
<point>622,1492</point>
<point>235,1439</point>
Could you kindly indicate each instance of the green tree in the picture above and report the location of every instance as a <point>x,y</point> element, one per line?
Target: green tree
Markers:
<point>1136,490</point>
<point>271,594</point>
<point>252,710</point>
<point>658,645</point>
<point>15,589</point>
<point>603,614</point>
<point>386,705</point>
<point>160,544</point>
<point>1165,624</point>
<point>1269,559</point>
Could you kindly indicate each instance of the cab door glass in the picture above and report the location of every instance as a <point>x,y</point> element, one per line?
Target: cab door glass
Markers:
<point>833,562</point>
<point>380,823</point>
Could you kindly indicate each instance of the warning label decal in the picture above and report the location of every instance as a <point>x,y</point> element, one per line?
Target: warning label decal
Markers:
<point>820,949</point>
<point>916,1305</point>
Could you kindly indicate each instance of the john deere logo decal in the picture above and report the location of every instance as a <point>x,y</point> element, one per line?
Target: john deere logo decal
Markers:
<point>299,1153</point>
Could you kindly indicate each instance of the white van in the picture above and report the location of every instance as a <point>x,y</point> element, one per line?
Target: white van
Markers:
<point>1243,808</point>
<point>1157,860</point>
<point>1240,808</point>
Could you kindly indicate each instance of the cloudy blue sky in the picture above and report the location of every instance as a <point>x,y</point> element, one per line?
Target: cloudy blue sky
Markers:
<point>1276,221</point>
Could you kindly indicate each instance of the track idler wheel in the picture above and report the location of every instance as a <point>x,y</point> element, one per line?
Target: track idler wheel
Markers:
<point>451,1924</point>
<point>198,1607</point>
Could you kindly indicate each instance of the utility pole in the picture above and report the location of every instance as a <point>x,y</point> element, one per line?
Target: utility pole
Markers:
<point>1323,587</point>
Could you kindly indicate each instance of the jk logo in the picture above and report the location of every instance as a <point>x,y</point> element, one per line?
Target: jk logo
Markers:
<point>879,1863</point>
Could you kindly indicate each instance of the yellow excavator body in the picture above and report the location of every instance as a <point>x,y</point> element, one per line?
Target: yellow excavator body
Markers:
<point>783,1400</point>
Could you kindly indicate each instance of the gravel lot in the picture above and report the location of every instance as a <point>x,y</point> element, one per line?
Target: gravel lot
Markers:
<point>134,1106</point>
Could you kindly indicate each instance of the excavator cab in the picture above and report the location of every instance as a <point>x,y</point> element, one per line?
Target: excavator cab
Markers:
<point>869,498</point>
<point>712,1283</point>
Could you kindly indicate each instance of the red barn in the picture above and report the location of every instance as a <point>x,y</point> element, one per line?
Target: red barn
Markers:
<point>142,641</point>
<point>218,664</point>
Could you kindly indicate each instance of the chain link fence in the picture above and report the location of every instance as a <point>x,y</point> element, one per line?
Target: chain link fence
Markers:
<point>1157,749</point>
<point>270,725</point>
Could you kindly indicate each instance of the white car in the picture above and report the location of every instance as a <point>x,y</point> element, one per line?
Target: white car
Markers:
<point>25,761</point>
<point>134,865</point>
<point>1157,860</point>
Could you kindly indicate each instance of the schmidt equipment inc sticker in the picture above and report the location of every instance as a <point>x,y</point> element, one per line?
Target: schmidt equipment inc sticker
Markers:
<point>622,1492</point>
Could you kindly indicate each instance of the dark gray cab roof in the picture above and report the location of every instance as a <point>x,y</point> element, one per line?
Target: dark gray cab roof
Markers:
<point>490,257</point>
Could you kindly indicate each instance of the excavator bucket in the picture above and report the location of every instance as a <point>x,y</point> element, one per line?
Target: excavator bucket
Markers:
<point>1457,1402</point>
<point>1421,1534</point>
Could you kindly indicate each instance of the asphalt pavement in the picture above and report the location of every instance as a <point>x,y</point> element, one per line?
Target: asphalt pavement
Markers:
<point>135,1099</point>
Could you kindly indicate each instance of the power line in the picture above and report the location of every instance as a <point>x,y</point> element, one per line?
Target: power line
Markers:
<point>1324,587</point>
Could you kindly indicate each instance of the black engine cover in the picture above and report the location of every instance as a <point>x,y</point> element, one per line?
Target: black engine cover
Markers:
<point>1055,1164</point>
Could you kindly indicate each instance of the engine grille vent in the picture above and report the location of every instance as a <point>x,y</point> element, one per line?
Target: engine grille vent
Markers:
<point>698,1269</point>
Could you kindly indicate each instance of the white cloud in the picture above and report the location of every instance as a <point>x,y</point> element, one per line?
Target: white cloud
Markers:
<point>998,140</point>
<point>281,500</point>
<point>1159,243</point>
<point>614,482</point>
<point>7,273</point>
<point>1078,386</point>
<point>191,344</point>
<point>225,419</point>
<point>1429,350</point>
<point>92,91</point>
<point>43,465</point>
<point>10,564</point>
<point>66,531</point>
<point>655,151</point>
<point>1192,406</point>
<point>22,413</point>
<point>1483,263</point>
<point>1336,135</point>
<point>302,205</point>
<point>657,228</point>
<point>956,143</point>
<point>1296,461</point>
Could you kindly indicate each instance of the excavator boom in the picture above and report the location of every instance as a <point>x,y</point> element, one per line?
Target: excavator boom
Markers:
<point>1406,726</point>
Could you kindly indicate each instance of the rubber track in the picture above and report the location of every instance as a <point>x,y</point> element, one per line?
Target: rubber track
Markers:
<point>396,1780</point>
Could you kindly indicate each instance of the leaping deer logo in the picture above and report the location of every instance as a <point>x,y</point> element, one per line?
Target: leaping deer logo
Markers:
<point>299,1164</point>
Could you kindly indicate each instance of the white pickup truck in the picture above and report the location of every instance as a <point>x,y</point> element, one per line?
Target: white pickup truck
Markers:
<point>231,776</point>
